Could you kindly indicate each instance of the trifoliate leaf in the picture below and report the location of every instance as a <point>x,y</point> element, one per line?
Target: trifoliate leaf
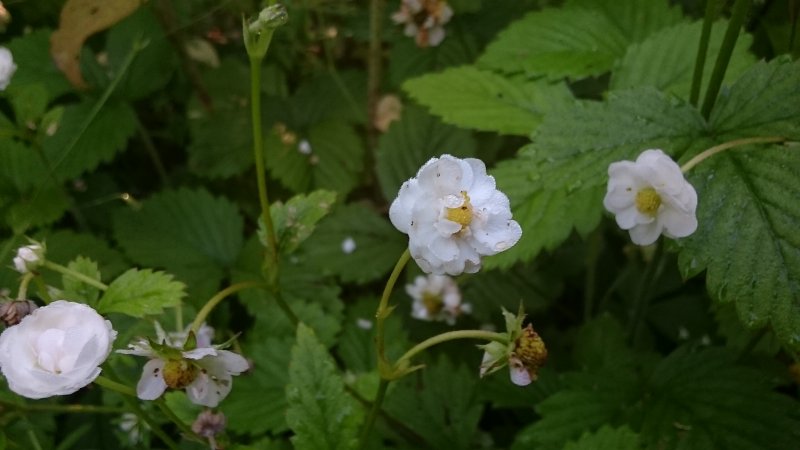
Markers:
<point>189,233</point>
<point>439,403</point>
<point>748,212</point>
<point>354,243</point>
<point>321,414</point>
<point>558,181</point>
<point>330,157</point>
<point>34,64</point>
<point>265,382</point>
<point>474,98</point>
<point>106,135</point>
<point>138,293</point>
<point>607,438</point>
<point>411,141</point>
<point>666,59</point>
<point>153,65</point>
<point>77,290</point>
<point>581,40</point>
<point>295,220</point>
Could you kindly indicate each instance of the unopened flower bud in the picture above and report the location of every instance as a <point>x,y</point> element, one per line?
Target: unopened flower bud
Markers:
<point>12,311</point>
<point>29,257</point>
<point>258,32</point>
<point>209,424</point>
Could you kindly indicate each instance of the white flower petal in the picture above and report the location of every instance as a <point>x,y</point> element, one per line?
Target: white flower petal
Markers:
<point>646,234</point>
<point>151,385</point>
<point>678,224</point>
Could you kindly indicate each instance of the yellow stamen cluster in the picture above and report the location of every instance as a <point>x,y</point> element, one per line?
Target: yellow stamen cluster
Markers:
<point>463,214</point>
<point>433,303</point>
<point>648,201</point>
<point>179,373</point>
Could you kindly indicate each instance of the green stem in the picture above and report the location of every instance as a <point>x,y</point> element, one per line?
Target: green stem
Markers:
<point>287,310</point>
<point>384,310</point>
<point>77,275</point>
<point>152,152</point>
<point>258,153</point>
<point>702,50</point>
<point>34,440</point>
<point>40,284</point>
<point>70,409</point>
<point>738,14</point>
<point>728,145</point>
<point>185,429</point>
<point>592,254</point>
<point>374,60</point>
<point>23,285</point>
<point>115,386</point>
<point>220,296</point>
<point>451,336</point>
<point>373,413</point>
<point>643,292</point>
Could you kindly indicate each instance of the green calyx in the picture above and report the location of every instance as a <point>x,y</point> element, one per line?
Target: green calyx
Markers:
<point>258,31</point>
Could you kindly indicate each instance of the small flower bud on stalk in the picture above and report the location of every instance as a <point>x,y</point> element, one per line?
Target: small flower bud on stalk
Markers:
<point>29,257</point>
<point>258,31</point>
<point>209,425</point>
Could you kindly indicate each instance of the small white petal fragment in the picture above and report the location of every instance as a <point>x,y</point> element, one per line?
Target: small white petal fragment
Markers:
<point>364,324</point>
<point>7,67</point>
<point>650,197</point>
<point>348,245</point>
<point>453,215</point>
<point>304,147</point>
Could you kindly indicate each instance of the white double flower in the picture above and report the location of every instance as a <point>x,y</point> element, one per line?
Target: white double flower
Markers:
<point>453,215</point>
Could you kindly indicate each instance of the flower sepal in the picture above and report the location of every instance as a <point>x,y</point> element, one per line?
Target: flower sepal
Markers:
<point>258,31</point>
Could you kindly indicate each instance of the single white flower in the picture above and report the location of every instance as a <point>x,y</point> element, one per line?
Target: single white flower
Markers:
<point>453,215</point>
<point>348,245</point>
<point>204,372</point>
<point>29,257</point>
<point>423,20</point>
<point>651,197</point>
<point>436,298</point>
<point>7,67</point>
<point>524,352</point>
<point>304,147</point>
<point>55,350</point>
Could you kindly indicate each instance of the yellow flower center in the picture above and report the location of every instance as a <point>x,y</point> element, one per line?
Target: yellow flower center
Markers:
<point>179,373</point>
<point>462,214</point>
<point>433,303</point>
<point>648,201</point>
<point>530,350</point>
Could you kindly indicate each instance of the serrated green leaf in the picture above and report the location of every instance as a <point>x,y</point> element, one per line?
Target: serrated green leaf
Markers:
<point>313,299</point>
<point>320,413</point>
<point>376,245</point>
<point>139,293</point>
<point>20,167</point>
<point>607,438</point>
<point>328,97</point>
<point>154,64</point>
<point>63,245</point>
<point>577,41</point>
<point>333,159</point>
<point>29,102</point>
<point>191,234</point>
<point>77,290</point>
<point>222,138</point>
<point>406,60</point>
<point>36,208</point>
<point>666,59</point>
<point>411,141</point>
<point>558,182</point>
<point>105,136</point>
<point>257,404</point>
<point>296,220</point>
<point>35,65</point>
<point>439,403</point>
<point>747,212</point>
<point>474,98</point>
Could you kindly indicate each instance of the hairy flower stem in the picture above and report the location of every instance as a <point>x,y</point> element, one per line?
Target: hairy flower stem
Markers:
<point>738,14</point>
<point>729,145</point>
<point>702,50</point>
<point>384,366</point>
<point>77,275</point>
<point>219,297</point>
<point>23,285</point>
<point>261,178</point>
<point>450,336</point>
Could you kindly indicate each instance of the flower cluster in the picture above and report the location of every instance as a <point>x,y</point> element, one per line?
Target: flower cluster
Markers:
<point>436,298</point>
<point>453,215</point>
<point>525,352</point>
<point>7,67</point>
<point>424,20</point>
<point>55,350</point>
<point>204,371</point>
<point>651,197</point>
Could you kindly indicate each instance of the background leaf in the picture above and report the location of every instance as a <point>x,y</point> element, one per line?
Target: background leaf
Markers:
<point>320,413</point>
<point>139,293</point>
